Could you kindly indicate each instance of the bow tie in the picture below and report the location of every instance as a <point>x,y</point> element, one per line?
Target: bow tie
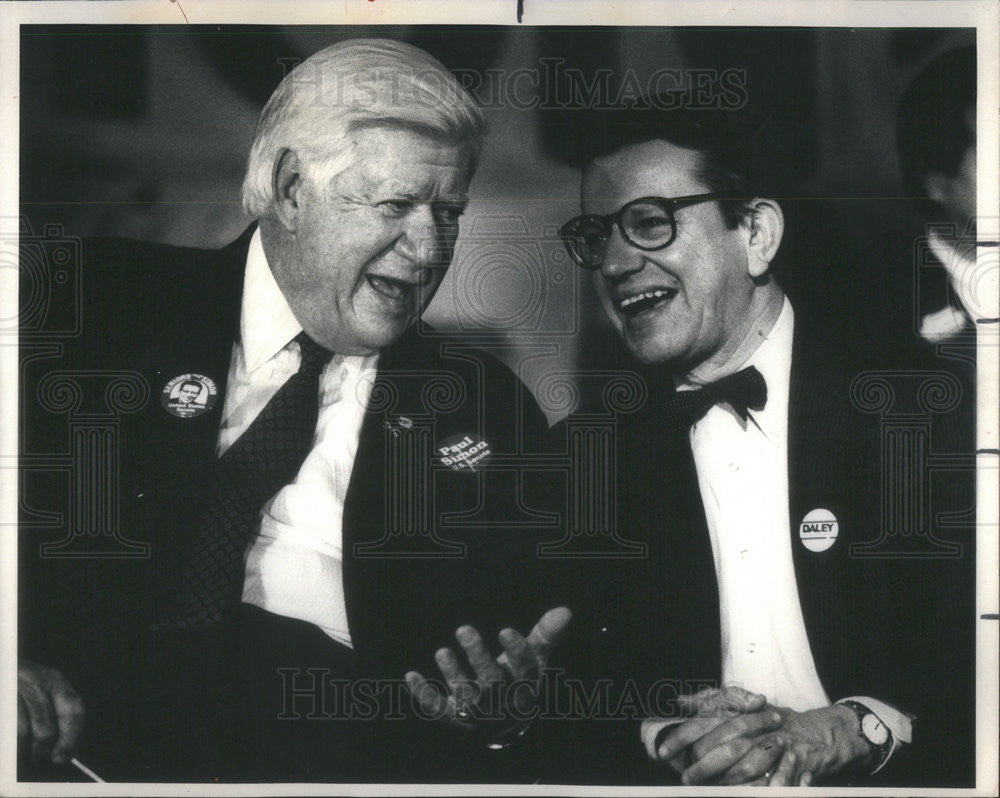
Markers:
<point>744,390</point>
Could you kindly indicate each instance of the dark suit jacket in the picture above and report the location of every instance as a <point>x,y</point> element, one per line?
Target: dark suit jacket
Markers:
<point>115,485</point>
<point>889,608</point>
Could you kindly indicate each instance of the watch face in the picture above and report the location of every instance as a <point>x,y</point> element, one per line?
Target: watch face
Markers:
<point>874,730</point>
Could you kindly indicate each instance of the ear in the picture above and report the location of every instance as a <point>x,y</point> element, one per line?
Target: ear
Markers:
<point>286,182</point>
<point>767,225</point>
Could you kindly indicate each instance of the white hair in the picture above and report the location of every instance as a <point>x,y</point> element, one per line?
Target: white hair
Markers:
<point>351,85</point>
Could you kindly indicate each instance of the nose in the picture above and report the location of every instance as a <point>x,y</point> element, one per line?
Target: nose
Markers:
<point>421,241</point>
<point>620,258</point>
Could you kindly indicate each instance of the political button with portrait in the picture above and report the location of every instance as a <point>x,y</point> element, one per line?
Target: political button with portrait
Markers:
<point>189,395</point>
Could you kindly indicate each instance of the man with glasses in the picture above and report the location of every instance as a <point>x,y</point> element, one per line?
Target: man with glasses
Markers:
<point>751,481</point>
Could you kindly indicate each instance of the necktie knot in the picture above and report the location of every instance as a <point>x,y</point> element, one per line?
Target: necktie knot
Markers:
<point>744,390</point>
<point>314,356</point>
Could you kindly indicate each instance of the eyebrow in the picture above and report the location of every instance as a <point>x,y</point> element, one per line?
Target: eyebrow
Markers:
<point>407,193</point>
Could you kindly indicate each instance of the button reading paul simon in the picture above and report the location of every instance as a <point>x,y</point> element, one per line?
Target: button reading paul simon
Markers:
<point>463,451</point>
<point>189,395</point>
<point>818,530</point>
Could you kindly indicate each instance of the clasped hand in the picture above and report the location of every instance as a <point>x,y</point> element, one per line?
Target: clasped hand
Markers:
<point>501,700</point>
<point>50,714</point>
<point>732,736</point>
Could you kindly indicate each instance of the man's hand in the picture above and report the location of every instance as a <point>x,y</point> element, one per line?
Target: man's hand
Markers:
<point>674,742</point>
<point>749,749</point>
<point>822,743</point>
<point>501,700</point>
<point>49,714</point>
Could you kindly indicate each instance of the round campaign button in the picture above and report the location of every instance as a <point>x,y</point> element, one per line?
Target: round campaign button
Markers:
<point>818,530</point>
<point>189,395</point>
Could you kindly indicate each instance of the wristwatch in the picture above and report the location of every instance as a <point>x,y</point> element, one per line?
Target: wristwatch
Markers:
<point>873,731</point>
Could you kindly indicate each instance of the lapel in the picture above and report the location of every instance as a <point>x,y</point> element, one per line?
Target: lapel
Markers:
<point>422,553</point>
<point>196,337</point>
<point>386,591</point>
<point>826,452</point>
<point>672,595</point>
<point>189,328</point>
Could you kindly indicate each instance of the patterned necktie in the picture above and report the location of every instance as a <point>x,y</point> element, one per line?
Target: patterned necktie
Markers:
<point>744,390</point>
<point>266,457</point>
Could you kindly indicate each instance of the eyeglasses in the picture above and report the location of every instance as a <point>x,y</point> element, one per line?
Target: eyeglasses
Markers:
<point>646,223</point>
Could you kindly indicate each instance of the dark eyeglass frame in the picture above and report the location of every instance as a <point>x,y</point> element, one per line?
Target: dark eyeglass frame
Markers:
<point>668,204</point>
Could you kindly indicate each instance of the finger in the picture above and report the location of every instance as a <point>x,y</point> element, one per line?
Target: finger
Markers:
<point>651,729</point>
<point>545,634</point>
<point>730,699</point>
<point>717,761</point>
<point>70,718</point>
<point>684,735</point>
<point>23,727</point>
<point>517,654</point>
<point>44,728</point>
<point>427,695</point>
<point>758,763</point>
<point>482,662</point>
<point>460,685</point>
<point>749,725</point>
<point>679,763</point>
<point>784,774</point>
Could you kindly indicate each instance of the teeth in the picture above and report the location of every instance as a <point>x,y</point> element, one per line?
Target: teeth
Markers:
<point>388,287</point>
<point>659,293</point>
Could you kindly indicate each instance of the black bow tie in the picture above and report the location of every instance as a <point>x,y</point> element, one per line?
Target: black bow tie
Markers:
<point>744,390</point>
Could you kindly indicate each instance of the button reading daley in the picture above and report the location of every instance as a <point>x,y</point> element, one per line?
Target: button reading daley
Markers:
<point>818,530</point>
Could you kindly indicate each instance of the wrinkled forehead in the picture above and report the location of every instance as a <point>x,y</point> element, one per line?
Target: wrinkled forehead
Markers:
<point>411,161</point>
<point>650,169</point>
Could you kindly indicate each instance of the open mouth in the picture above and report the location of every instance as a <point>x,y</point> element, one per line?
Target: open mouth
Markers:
<point>389,287</point>
<point>647,300</point>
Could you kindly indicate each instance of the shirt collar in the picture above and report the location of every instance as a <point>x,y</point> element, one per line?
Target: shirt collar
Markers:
<point>773,359</point>
<point>267,324</point>
<point>960,267</point>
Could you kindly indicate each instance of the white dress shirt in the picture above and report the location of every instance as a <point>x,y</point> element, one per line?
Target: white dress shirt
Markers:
<point>949,321</point>
<point>293,567</point>
<point>743,478</point>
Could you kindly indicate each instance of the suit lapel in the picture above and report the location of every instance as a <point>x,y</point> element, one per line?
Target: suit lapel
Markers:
<point>821,462</point>
<point>198,340</point>
<point>364,505</point>
<point>662,507</point>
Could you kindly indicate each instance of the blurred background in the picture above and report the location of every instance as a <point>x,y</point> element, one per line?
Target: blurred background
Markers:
<point>143,132</point>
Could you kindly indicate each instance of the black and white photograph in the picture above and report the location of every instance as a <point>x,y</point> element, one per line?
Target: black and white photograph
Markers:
<point>515,398</point>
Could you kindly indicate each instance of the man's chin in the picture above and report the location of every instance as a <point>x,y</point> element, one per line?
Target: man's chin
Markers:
<point>650,350</point>
<point>379,335</point>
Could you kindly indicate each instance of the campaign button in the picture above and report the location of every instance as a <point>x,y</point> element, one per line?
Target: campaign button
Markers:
<point>463,452</point>
<point>818,530</point>
<point>189,395</point>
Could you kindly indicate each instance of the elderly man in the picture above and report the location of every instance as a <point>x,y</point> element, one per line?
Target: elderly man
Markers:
<point>754,483</point>
<point>297,564</point>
